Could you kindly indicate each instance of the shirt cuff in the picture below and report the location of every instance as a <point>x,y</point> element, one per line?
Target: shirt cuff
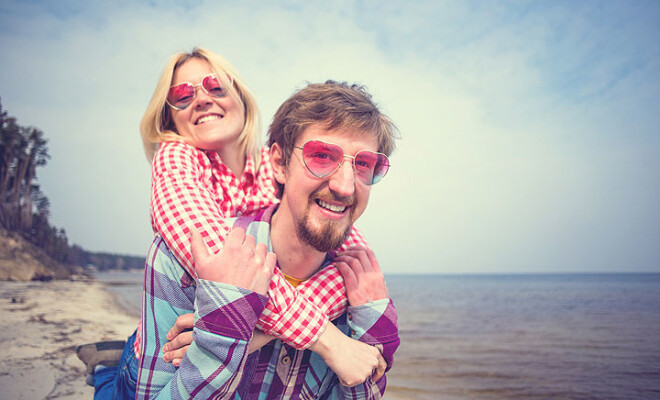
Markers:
<point>227,310</point>
<point>374,322</point>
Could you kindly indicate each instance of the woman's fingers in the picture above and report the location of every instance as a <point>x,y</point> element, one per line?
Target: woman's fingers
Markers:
<point>380,369</point>
<point>235,237</point>
<point>350,280</point>
<point>264,273</point>
<point>197,246</point>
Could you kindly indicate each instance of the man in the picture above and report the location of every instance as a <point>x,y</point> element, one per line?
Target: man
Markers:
<point>327,144</point>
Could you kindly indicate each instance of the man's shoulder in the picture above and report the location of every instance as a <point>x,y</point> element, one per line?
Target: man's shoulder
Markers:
<point>257,225</point>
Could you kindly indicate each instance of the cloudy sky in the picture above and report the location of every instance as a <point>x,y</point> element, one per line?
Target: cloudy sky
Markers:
<point>530,139</point>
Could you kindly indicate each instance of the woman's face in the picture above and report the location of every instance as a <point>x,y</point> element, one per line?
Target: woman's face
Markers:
<point>210,123</point>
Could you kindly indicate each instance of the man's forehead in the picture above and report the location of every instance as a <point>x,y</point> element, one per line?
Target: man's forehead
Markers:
<point>336,135</point>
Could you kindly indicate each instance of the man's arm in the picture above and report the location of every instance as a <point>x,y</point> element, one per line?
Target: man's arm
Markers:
<point>225,316</point>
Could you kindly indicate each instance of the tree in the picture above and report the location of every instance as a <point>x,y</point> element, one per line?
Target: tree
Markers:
<point>25,209</point>
<point>22,151</point>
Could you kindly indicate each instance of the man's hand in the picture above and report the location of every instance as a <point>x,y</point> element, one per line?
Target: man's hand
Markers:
<point>180,337</point>
<point>353,361</point>
<point>362,276</point>
<point>240,262</point>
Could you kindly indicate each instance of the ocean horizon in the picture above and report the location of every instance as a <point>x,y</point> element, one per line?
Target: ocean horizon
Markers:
<point>514,336</point>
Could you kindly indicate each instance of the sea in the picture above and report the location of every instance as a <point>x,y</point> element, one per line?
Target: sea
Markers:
<point>474,337</point>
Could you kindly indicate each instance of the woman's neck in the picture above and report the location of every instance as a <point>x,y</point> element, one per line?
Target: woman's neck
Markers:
<point>234,159</point>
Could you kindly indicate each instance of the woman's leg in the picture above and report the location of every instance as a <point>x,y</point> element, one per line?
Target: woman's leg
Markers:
<point>127,372</point>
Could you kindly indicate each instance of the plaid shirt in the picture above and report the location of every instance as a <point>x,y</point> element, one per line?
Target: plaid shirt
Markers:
<point>217,364</point>
<point>193,188</point>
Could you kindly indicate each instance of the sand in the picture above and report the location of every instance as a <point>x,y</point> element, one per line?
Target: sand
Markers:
<point>41,324</point>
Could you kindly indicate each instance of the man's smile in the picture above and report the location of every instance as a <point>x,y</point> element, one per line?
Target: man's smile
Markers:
<point>331,207</point>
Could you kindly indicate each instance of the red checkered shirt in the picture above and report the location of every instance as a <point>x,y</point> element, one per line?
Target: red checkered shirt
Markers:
<point>193,188</point>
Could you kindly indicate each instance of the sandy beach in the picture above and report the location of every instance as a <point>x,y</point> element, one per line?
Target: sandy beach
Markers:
<point>42,322</point>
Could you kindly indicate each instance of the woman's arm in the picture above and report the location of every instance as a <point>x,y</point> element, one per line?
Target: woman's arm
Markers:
<point>372,318</point>
<point>185,195</point>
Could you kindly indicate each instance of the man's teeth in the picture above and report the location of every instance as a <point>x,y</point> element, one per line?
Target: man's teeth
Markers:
<point>337,209</point>
<point>207,118</point>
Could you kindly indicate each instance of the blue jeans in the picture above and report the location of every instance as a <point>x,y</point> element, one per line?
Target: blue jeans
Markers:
<point>118,383</point>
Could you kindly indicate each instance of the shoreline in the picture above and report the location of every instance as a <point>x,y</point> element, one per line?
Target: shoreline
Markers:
<point>43,322</point>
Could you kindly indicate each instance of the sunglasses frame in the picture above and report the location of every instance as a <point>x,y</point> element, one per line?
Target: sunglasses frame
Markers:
<point>339,164</point>
<point>200,84</point>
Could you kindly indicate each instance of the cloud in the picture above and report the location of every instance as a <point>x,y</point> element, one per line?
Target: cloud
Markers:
<point>529,139</point>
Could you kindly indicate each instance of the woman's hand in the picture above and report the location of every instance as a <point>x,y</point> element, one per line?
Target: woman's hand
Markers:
<point>363,278</point>
<point>240,262</point>
<point>353,361</point>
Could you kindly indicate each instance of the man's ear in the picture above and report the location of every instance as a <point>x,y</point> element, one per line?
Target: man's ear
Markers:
<point>277,163</point>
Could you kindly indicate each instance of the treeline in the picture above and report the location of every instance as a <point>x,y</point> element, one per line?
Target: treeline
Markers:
<point>25,209</point>
<point>104,261</point>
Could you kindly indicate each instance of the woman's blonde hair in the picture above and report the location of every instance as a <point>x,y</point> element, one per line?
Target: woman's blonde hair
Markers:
<point>157,125</point>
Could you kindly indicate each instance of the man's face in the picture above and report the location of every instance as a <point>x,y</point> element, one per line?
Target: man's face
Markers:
<point>323,210</point>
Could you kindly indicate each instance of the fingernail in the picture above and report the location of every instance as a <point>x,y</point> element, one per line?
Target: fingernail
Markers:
<point>166,357</point>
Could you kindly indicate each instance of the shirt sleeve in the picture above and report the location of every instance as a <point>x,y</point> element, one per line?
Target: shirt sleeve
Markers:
<point>182,198</point>
<point>299,315</point>
<point>375,323</point>
<point>225,316</point>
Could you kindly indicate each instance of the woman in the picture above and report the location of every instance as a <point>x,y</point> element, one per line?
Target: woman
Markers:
<point>201,131</point>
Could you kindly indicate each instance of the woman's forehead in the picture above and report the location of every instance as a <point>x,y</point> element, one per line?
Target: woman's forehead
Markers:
<point>192,71</point>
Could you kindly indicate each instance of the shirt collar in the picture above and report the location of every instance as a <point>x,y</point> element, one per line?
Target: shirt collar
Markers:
<point>249,172</point>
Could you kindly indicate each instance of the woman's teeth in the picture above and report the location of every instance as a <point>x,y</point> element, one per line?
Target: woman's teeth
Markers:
<point>207,118</point>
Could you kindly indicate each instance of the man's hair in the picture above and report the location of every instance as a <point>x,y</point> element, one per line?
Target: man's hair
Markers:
<point>336,106</point>
<point>157,125</point>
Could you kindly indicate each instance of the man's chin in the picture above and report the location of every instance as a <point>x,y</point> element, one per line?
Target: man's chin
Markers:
<point>324,239</point>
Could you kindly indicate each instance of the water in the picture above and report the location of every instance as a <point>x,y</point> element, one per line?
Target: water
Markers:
<point>127,286</point>
<point>528,337</point>
<point>518,336</point>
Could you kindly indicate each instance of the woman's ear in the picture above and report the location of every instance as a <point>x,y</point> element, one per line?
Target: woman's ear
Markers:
<point>277,163</point>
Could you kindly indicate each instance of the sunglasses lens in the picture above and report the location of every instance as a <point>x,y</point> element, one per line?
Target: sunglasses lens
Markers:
<point>214,87</point>
<point>371,167</point>
<point>180,96</point>
<point>321,158</point>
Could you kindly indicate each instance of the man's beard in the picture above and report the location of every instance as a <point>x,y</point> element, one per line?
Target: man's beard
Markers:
<point>327,238</point>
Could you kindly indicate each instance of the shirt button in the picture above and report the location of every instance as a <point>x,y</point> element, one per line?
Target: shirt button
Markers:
<point>286,360</point>
<point>352,332</point>
<point>239,213</point>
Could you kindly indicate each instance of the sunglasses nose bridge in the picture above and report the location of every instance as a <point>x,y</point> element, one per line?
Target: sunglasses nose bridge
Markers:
<point>351,160</point>
<point>342,179</point>
<point>200,87</point>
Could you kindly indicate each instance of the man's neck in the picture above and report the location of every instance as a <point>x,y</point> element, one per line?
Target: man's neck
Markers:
<point>295,258</point>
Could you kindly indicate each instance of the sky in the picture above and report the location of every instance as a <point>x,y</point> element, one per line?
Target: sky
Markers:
<point>529,130</point>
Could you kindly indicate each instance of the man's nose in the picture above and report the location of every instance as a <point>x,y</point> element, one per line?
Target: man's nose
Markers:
<point>342,181</point>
